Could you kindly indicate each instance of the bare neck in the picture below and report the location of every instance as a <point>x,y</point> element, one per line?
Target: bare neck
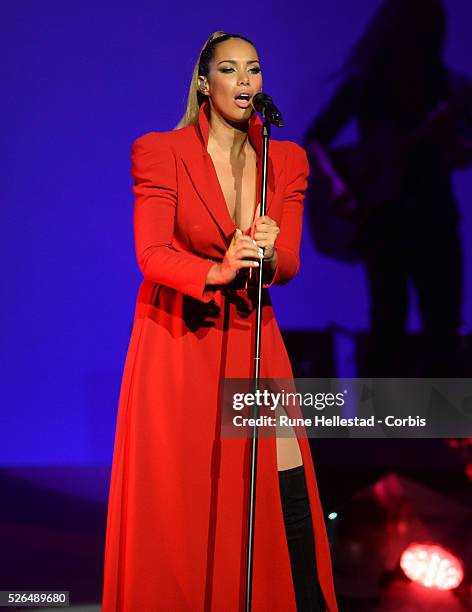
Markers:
<point>226,139</point>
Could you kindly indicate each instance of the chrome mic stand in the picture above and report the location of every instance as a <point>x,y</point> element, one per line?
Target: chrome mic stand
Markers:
<point>271,115</point>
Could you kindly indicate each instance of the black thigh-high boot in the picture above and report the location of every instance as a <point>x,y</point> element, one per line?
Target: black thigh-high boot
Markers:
<point>300,540</point>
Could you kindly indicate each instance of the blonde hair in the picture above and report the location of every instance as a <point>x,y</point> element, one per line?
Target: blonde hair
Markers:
<point>195,97</point>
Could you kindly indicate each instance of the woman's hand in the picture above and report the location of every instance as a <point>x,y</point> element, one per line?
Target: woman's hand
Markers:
<point>240,248</point>
<point>265,234</point>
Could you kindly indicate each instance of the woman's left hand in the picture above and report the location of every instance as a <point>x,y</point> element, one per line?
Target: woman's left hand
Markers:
<point>265,234</point>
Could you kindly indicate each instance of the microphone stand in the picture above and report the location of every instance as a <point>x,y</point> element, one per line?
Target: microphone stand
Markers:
<point>257,360</point>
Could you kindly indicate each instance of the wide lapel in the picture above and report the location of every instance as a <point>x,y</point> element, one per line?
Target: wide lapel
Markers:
<point>202,171</point>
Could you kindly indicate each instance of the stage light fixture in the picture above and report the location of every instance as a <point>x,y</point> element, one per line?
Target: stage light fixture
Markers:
<point>432,566</point>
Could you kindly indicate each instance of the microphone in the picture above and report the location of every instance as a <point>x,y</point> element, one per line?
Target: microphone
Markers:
<point>265,106</point>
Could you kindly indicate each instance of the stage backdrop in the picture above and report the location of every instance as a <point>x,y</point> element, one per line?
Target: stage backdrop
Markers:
<point>82,81</point>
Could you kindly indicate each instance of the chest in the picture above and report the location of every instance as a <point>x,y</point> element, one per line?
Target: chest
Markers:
<point>238,183</point>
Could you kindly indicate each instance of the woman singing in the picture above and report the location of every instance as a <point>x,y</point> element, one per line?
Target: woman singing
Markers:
<point>177,512</point>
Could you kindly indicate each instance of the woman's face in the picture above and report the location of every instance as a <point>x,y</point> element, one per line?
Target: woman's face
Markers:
<point>235,69</point>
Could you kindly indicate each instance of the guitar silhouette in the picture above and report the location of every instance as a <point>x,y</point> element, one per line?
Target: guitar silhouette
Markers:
<point>349,183</point>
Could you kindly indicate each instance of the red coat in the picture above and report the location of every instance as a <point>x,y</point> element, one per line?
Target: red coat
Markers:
<point>177,503</point>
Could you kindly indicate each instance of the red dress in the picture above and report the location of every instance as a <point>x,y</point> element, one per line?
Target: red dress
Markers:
<point>175,536</point>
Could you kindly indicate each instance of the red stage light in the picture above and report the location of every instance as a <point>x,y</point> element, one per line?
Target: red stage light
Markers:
<point>432,566</point>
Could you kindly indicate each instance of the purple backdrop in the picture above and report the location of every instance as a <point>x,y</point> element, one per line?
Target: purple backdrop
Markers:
<point>83,80</point>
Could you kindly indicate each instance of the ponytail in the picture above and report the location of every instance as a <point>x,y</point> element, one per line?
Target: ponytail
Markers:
<point>195,97</point>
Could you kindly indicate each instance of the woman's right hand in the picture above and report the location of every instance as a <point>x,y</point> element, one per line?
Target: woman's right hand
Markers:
<point>235,258</point>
